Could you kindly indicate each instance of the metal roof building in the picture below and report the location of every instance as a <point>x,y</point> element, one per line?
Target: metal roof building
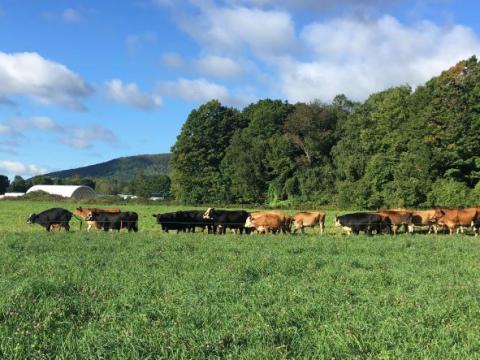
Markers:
<point>67,191</point>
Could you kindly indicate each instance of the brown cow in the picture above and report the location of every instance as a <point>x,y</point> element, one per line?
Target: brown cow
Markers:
<point>268,222</point>
<point>426,218</point>
<point>457,219</point>
<point>84,212</point>
<point>397,218</point>
<point>304,219</point>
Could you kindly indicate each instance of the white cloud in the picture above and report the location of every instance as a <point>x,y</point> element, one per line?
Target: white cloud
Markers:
<point>357,58</point>
<point>18,168</point>
<point>234,28</point>
<point>45,81</point>
<point>218,66</point>
<point>36,122</point>
<point>129,94</point>
<point>200,90</point>
<point>71,15</point>
<point>16,126</point>
<point>84,138</point>
<point>317,4</point>
<point>134,42</point>
<point>173,60</point>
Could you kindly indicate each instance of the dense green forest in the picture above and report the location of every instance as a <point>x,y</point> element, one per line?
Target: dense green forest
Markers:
<point>400,147</point>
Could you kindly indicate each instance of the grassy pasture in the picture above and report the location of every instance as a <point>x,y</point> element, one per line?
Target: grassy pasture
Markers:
<point>152,295</point>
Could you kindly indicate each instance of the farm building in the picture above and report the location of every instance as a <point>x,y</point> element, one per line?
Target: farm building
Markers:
<point>12,195</point>
<point>67,191</point>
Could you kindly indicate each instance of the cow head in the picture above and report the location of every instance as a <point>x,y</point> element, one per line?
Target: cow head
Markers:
<point>32,218</point>
<point>337,221</point>
<point>209,214</point>
<point>249,223</point>
<point>90,216</point>
<point>437,215</point>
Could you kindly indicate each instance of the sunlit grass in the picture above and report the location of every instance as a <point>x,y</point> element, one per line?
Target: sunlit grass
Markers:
<point>153,295</point>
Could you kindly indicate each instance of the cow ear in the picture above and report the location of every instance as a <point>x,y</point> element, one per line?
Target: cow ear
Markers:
<point>154,215</point>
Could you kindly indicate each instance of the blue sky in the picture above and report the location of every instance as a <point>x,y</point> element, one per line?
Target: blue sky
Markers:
<point>87,81</point>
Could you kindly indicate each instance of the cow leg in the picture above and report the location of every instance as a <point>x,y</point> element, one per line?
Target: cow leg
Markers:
<point>322,228</point>
<point>394,229</point>
<point>67,227</point>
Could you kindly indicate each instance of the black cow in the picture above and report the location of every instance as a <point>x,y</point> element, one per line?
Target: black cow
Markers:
<point>366,222</point>
<point>185,221</point>
<point>476,226</point>
<point>115,221</point>
<point>56,216</point>
<point>223,219</point>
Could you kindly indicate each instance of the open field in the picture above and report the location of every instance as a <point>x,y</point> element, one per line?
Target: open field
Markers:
<point>152,295</point>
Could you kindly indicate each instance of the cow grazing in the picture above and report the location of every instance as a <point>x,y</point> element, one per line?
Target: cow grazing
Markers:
<point>185,221</point>
<point>55,217</point>
<point>115,221</point>
<point>304,219</point>
<point>82,213</point>
<point>366,222</point>
<point>268,222</point>
<point>456,220</point>
<point>223,219</point>
<point>397,218</point>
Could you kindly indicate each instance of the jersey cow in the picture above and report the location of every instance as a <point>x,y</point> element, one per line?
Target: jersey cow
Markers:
<point>82,213</point>
<point>426,218</point>
<point>456,220</point>
<point>397,219</point>
<point>52,218</point>
<point>304,219</point>
<point>123,220</point>
<point>366,222</point>
<point>268,222</point>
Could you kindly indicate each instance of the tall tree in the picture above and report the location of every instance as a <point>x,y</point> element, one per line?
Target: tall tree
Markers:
<point>246,165</point>
<point>18,184</point>
<point>199,150</point>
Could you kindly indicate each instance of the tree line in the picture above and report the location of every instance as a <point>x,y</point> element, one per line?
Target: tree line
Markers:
<point>399,148</point>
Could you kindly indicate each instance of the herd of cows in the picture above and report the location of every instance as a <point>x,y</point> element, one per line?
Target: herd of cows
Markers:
<point>219,221</point>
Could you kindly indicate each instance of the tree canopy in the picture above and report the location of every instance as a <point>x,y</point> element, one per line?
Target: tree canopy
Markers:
<point>400,147</point>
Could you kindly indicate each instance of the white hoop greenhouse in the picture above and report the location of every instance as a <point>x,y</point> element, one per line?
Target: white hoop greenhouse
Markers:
<point>67,191</point>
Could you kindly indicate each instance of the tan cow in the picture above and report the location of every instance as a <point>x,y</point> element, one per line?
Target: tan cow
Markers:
<point>268,222</point>
<point>397,218</point>
<point>304,219</point>
<point>457,219</point>
<point>83,213</point>
<point>426,218</point>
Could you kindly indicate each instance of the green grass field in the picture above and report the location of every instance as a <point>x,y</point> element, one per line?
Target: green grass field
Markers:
<point>151,295</point>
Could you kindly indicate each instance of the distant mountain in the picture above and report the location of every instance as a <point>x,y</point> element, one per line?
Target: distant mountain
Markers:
<point>124,168</point>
